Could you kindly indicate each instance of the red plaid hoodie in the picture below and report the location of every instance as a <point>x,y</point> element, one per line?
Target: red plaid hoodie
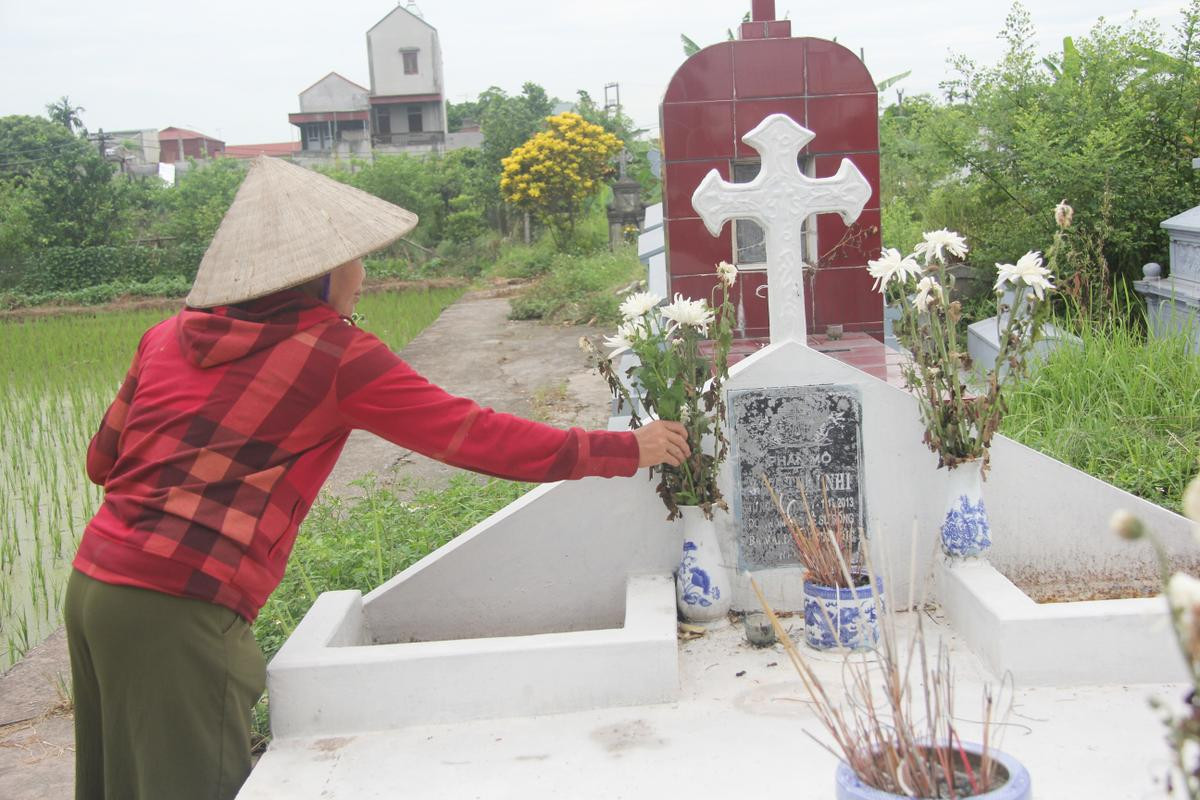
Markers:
<point>229,421</point>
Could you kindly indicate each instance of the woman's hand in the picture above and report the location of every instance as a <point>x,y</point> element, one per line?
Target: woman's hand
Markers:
<point>662,442</point>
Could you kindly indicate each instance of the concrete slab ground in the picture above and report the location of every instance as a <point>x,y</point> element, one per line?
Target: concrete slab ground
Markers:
<point>741,729</point>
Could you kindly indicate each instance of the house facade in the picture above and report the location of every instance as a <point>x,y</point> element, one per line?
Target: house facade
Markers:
<point>334,117</point>
<point>179,144</point>
<point>408,106</point>
<point>403,111</point>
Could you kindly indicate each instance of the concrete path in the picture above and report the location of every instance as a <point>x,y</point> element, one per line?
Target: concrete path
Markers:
<point>472,349</point>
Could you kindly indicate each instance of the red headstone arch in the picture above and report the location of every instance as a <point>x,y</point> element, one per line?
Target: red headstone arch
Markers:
<point>720,94</point>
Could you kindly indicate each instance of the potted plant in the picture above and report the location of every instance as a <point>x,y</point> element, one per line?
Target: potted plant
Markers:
<point>677,375</point>
<point>1182,594</point>
<point>961,418</point>
<point>896,741</point>
<point>841,602</point>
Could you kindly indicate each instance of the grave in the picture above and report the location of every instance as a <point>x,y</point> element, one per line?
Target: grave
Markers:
<point>983,336</point>
<point>1173,302</point>
<point>626,211</point>
<point>536,655</point>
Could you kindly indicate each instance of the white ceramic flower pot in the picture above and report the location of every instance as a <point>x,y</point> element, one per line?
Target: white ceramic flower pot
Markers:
<point>702,589</point>
<point>965,528</point>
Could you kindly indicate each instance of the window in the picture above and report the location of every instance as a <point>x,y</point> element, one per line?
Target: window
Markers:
<point>750,245</point>
<point>410,61</point>
<point>383,121</point>
<point>415,119</point>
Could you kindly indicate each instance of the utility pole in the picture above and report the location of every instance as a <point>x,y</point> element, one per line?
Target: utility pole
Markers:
<point>612,98</point>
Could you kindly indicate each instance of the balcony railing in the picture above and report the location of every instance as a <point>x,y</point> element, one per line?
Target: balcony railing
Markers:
<point>426,139</point>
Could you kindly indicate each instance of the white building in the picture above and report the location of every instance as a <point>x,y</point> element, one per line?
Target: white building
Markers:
<point>404,111</point>
<point>408,106</point>
<point>334,117</point>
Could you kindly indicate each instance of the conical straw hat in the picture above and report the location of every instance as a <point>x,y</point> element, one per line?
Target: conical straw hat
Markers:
<point>288,225</point>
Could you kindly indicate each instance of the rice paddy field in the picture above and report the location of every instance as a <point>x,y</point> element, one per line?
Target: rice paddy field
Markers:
<point>57,376</point>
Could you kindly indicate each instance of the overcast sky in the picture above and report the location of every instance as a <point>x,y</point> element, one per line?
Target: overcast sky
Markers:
<point>233,69</point>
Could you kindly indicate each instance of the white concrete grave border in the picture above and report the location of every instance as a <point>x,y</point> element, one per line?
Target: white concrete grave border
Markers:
<point>561,601</point>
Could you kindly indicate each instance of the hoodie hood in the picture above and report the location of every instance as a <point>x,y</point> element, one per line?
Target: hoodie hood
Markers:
<point>210,337</point>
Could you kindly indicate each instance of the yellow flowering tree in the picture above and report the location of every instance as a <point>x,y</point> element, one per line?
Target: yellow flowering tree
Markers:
<point>557,170</point>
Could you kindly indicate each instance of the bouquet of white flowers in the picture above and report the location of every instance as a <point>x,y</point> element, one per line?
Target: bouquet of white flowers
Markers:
<point>678,378</point>
<point>960,421</point>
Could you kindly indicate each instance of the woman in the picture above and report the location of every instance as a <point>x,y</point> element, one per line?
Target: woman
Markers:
<point>229,420</point>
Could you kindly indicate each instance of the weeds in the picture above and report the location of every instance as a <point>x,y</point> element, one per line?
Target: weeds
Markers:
<point>361,543</point>
<point>580,288</point>
<point>1118,406</point>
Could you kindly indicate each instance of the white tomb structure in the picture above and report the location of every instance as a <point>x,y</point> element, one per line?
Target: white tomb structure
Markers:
<point>652,250</point>
<point>536,655</point>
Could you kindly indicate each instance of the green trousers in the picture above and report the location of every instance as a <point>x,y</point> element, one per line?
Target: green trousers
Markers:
<point>163,689</point>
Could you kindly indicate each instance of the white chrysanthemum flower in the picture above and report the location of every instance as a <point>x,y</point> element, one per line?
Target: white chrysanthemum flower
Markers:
<point>626,334</point>
<point>727,273</point>
<point>695,313</point>
<point>639,304</point>
<point>1063,215</point>
<point>892,265</point>
<point>937,243</point>
<point>928,289</point>
<point>1191,499</point>
<point>1183,592</point>
<point>1029,271</point>
<point>1126,525</point>
<point>1191,505</point>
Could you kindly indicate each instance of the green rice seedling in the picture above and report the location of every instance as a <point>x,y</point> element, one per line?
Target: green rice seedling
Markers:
<point>57,376</point>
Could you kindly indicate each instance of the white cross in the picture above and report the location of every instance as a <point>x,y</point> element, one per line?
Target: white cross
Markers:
<point>779,199</point>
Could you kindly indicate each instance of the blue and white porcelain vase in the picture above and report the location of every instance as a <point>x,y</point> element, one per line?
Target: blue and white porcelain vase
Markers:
<point>853,612</point>
<point>1012,779</point>
<point>965,528</point>
<point>702,589</point>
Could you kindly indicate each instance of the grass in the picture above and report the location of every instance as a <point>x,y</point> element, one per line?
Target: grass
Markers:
<point>1117,406</point>
<point>363,542</point>
<point>57,376</point>
<point>580,288</point>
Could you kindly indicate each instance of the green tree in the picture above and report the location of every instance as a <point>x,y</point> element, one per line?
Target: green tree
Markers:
<point>1108,123</point>
<point>507,122</point>
<point>72,199</point>
<point>66,114</point>
<point>554,173</point>
<point>16,231</point>
<point>194,207</point>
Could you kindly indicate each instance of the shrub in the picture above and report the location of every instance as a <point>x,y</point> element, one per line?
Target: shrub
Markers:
<point>558,170</point>
<point>64,269</point>
<point>580,289</point>
<point>360,543</point>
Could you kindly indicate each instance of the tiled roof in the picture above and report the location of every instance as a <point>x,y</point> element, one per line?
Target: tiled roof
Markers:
<point>254,150</point>
<point>183,133</point>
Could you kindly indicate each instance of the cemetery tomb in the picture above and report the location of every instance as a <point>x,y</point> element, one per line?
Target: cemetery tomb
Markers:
<point>718,96</point>
<point>1173,302</point>
<point>537,655</point>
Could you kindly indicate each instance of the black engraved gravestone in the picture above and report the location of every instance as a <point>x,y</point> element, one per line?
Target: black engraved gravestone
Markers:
<point>797,436</point>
